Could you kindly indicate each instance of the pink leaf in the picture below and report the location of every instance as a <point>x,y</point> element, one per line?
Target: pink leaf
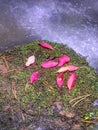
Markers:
<point>71,81</point>
<point>34,77</point>
<point>46,45</point>
<point>63,59</point>
<point>60,80</point>
<point>30,61</point>
<point>69,68</point>
<point>49,64</point>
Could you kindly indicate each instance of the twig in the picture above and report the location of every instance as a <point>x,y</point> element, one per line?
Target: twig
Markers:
<point>82,67</point>
<point>10,71</point>
<point>14,91</point>
<point>5,62</point>
<point>86,121</point>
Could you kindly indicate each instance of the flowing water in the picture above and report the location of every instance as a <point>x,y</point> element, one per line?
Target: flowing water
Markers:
<point>72,22</point>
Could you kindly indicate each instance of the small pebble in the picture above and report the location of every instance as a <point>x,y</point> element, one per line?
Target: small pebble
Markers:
<point>95,104</point>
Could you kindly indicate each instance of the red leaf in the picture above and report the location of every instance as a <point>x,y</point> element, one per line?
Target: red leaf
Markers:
<point>63,59</point>
<point>71,81</point>
<point>69,68</point>
<point>60,80</point>
<point>46,45</point>
<point>34,77</point>
<point>49,64</point>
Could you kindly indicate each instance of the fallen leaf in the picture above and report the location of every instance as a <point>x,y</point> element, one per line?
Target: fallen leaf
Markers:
<point>71,81</point>
<point>63,59</point>
<point>62,113</point>
<point>49,64</point>
<point>69,68</point>
<point>60,80</point>
<point>46,45</point>
<point>34,77</point>
<point>67,114</point>
<point>59,105</point>
<point>30,60</point>
<point>70,114</point>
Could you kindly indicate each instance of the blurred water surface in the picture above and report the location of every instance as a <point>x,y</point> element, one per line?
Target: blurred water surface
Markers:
<point>72,22</point>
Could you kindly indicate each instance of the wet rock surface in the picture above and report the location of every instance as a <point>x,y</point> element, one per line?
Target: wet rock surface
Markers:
<point>30,120</point>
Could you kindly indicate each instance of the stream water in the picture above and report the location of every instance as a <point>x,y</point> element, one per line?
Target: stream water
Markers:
<point>72,22</point>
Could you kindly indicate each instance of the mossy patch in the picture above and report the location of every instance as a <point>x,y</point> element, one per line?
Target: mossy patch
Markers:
<point>16,91</point>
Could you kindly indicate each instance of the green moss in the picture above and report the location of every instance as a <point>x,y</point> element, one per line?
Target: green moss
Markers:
<point>41,95</point>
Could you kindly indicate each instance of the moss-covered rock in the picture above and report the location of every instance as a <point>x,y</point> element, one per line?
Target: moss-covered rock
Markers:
<point>41,95</point>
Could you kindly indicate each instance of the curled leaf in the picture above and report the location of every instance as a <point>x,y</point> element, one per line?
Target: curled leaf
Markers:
<point>63,59</point>
<point>69,68</point>
<point>34,77</point>
<point>46,45</point>
<point>30,60</point>
<point>49,64</point>
<point>71,81</point>
<point>60,80</point>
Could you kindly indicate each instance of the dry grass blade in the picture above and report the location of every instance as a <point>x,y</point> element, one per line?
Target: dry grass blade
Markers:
<point>14,91</point>
<point>79,99</point>
<point>5,62</point>
<point>88,121</point>
<point>47,84</point>
<point>3,69</point>
<point>26,86</point>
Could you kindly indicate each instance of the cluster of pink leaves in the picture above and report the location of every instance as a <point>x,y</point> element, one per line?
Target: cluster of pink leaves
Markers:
<point>62,60</point>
